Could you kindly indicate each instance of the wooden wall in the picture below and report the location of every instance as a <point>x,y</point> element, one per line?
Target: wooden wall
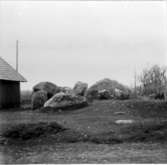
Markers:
<point>9,94</point>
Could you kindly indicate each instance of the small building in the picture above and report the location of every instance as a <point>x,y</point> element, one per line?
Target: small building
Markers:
<point>9,85</point>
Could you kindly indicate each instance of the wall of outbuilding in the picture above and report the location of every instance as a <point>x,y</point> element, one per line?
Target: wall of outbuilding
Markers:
<point>9,94</point>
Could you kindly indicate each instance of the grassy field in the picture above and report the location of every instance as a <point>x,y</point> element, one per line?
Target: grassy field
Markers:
<point>86,153</point>
<point>89,135</point>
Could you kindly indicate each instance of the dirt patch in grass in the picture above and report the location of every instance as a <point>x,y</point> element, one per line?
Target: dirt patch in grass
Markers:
<point>23,132</point>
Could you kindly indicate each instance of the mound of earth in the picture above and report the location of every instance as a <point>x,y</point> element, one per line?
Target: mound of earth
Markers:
<point>32,131</point>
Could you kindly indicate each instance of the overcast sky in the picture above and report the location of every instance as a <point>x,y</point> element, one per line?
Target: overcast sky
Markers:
<point>64,42</point>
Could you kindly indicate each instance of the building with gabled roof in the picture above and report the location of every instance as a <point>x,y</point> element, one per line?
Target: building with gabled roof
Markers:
<point>9,85</point>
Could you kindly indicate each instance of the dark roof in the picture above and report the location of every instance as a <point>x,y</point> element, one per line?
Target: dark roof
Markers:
<point>7,72</point>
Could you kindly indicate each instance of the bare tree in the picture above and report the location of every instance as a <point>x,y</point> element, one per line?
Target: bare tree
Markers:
<point>153,80</point>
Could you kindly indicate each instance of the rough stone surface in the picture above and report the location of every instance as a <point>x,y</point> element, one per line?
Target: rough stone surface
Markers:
<point>66,101</point>
<point>108,85</point>
<point>67,90</point>
<point>80,88</point>
<point>117,93</point>
<point>104,94</point>
<point>120,94</point>
<point>49,87</point>
<point>38,99</point>
<point>92,95</point>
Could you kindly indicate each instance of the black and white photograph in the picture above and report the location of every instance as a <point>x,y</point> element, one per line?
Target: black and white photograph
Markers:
<point>83,82</point>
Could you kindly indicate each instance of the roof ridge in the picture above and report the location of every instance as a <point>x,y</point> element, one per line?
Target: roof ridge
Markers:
<point>7,72</point>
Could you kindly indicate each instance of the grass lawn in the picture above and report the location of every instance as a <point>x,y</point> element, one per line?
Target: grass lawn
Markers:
<point>91,135</point>
<point>86,153</point>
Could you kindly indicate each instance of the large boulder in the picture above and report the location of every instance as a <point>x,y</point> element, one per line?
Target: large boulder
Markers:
<point>49,87</point>
<point>38,99</point>
<point>121,94</point>
<point>104,94</point>
<point>106,85</point>
<point>117,93</point>
<point>80,88</point>
<point>66,101</point>
<point>66,90</point>
<point>91,95</point>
